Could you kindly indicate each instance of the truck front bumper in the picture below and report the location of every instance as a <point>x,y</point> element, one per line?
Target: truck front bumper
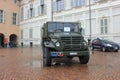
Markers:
<point>69,53</point>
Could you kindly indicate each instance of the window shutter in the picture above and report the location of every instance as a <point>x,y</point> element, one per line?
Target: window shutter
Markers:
<point>74,3</point>
<point>22,13</point>
<point>106,25</point>
<point>28,13</point>
<point>4,16</point>
<point>17,19</point>
<point>82,2</point>
<point>39,10</point>
<point>31,5</point>
<point>42,2</point>
<point>33,12</point>
<point>54,6</point>
<point>71,3</point>
<point>62,2</point>
<point>45,9</point>
<point>12,18</point>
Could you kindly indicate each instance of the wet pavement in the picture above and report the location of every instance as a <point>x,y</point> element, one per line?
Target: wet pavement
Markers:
<point>26,64</point>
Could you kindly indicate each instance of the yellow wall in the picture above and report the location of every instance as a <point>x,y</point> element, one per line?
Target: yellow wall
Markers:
<point>8,28</point>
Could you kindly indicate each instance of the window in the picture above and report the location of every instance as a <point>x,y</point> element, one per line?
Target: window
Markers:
<point>14,18</point>
<point>58,5</point>
<point>15,1</point>
<point>2,16</point>
<point>42,2</point>
<point>104,26</point>
<point>76,3</point>
<point>41,7</point>
<point>31,11</point>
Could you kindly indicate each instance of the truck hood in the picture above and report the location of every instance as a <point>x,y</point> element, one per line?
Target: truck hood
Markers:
<point>65,34</point>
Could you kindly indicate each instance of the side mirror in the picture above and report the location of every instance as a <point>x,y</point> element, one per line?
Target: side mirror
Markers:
<point>89,41</point>
<point>47,39</point>
<point>80,30</point>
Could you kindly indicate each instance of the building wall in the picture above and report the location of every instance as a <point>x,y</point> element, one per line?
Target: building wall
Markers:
<point>105,9</point>
<point>7,28</point>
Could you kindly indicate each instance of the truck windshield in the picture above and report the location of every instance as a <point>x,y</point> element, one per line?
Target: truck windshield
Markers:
<point>63,27</point>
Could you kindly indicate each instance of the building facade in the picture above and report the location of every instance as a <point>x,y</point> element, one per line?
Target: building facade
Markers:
<point>9,21</point>
<point>105,17</point>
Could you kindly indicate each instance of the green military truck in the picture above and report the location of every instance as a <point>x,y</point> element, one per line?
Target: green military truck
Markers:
<point>63,40</point>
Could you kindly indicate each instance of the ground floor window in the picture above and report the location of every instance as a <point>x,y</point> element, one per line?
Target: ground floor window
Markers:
<point>2,16</point>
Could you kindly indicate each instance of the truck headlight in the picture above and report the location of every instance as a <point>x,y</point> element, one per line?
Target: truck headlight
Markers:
<point>84,43</point>
<point>57,44</point>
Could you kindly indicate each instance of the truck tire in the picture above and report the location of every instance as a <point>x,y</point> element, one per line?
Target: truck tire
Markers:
<point>84,59</point>
<point>70,57</point>
<point>47,57</point>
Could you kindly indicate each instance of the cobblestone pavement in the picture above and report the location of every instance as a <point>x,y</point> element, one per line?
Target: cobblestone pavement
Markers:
<point>26,64</point>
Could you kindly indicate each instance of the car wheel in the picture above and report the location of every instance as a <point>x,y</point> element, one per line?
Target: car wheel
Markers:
<point>47,57</point>
<point>116,50</point>
<point>103,49</point>
<point>84,59</point>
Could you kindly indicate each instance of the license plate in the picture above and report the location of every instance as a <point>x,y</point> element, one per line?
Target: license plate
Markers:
<point>73,53</point>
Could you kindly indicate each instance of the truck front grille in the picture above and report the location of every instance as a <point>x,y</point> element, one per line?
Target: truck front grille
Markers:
<point>71,43</point>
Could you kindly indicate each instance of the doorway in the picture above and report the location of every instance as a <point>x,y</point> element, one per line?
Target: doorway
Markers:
<point>13,40</point>
<point>1,40</point>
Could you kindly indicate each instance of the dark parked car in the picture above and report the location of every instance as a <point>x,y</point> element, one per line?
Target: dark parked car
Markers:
<point>104,45</point>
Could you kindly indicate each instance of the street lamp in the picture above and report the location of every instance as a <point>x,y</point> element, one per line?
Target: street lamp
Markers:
<point>51,10</point>
<point>90,19</point>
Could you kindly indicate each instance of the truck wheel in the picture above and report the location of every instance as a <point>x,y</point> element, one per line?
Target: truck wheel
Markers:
<point>47,57</point>
<point>84,59</point>
<point>70,57</point>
